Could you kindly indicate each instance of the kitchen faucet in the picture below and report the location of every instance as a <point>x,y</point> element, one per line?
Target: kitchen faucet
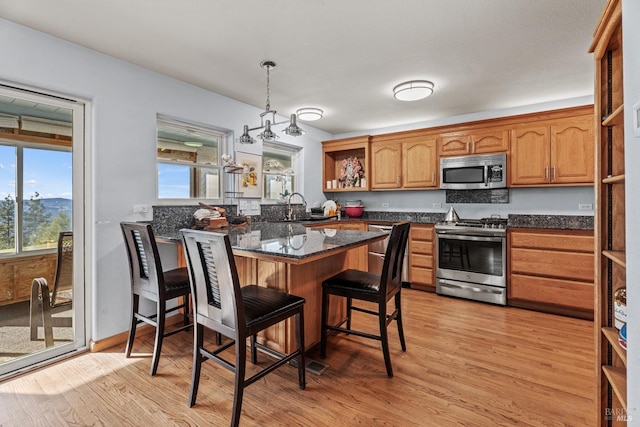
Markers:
<point>290,209</point>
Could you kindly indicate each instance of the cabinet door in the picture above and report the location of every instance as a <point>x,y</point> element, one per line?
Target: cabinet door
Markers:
<point>572,152</point>
<point>419,163</point>
<point>530,155</point>
<point>457,144</point>
<point>490,141</point>
<point>386,165</point>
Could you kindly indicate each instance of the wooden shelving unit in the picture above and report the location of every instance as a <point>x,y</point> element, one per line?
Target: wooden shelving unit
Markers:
<point>610,216</point>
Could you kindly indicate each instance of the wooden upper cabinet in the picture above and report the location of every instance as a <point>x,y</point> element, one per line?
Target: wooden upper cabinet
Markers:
<point>553,152</point>
<point>530,155</point>
<point>386,164</point>
<point>492,140</point>
<point>418,164</point>
<point>457,144</point>
<point>403,161</point>
<point>572,146</point>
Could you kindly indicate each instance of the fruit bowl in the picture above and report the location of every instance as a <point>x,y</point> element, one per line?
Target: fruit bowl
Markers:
<point>354,211</point>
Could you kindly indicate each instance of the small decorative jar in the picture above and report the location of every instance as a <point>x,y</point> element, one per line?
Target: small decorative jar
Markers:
<point>620,307</point>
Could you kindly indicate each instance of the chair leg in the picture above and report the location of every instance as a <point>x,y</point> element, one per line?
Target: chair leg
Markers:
<point>34,307</point>
<point>254,350</point>
<point>349,305</point>
<point>157,347</point>
<point>133,326</point>
<point>46,322</point>
<point>185,309</point>
<point>384,338</point>
<point>300,344</point>
<point>241,362</point>
<point>198,342</point>
<point>323,324</point>
<point>399,321</point>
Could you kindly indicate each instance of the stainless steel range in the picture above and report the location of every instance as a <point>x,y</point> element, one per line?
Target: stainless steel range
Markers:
<point>471,256</point>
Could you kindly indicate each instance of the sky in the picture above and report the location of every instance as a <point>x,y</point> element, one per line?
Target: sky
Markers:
<point>45,171</point>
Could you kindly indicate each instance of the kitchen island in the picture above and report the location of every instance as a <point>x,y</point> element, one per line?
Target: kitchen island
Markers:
<point>295,259</point>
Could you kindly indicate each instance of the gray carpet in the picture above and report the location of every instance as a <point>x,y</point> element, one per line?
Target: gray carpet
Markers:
<point>14,330</point>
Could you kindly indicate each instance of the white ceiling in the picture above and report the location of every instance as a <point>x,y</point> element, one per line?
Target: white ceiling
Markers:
<point>344,56</point>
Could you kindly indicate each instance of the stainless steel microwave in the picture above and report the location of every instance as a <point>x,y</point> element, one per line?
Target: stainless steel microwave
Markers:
<point>473,172</point>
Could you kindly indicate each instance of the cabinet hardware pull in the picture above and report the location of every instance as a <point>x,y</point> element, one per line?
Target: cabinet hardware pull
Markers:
<point>553,173</point>
<point>433,177</point>
<point>546,172</point>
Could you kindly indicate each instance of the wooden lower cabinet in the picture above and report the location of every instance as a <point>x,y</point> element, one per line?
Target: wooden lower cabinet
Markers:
<point>421,263</point>
<point>552,271</point>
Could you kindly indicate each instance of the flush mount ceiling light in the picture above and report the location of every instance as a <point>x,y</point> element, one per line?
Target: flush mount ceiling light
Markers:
<point>268,118</point>
<point>309,114</point>
<point>413,90</point>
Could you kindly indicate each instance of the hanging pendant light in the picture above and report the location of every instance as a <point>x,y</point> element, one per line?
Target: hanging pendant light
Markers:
<point>293,129</point>
<point>267,133</point>
<point>246,138</point>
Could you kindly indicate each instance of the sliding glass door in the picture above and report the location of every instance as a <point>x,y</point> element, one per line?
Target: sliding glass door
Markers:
<point>42,298</point>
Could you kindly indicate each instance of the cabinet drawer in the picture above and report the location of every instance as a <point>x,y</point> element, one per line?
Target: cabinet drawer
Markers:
<point>421,233</point>
<point>570,265</point>
<point>567,293</point>
<point>418,247</point>
<point>419,260</point>
<point>558,242</point>
<point>421,275</point>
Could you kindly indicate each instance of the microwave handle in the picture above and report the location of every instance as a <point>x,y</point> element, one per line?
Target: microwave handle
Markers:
<point>486,175</point>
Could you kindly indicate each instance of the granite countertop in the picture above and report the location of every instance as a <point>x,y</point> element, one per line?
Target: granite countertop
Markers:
<point>287,240</point>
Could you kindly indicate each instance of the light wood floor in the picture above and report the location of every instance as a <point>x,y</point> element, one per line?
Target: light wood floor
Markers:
<point>466,363</point>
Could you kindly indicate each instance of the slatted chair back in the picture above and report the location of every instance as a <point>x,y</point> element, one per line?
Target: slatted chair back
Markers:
<point>391,276</point>
<point>63,280</point>
<point>144,260</point>
<point>215,286</point>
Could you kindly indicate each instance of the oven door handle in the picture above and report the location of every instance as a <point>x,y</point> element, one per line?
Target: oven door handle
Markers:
<point>446,235</point>
<point>475,289</point>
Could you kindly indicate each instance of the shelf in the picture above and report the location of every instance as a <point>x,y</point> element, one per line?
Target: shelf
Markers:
<point>619,257</point>
<point>612,335</point>
<point>616,118</point>
<point>618,379</point>
<point>233,169</point>
<point>615,179</point>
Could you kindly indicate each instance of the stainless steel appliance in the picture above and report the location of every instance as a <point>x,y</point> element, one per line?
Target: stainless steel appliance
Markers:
<point>471,259</point>
<point>379,248</point>
<point>473,172</point>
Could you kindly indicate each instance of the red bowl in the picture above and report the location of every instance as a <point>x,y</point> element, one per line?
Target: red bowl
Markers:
<point>354,211</point>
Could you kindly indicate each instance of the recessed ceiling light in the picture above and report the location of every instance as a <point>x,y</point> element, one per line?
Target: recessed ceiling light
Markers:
<point>309,114</point>
<point>413,90</point>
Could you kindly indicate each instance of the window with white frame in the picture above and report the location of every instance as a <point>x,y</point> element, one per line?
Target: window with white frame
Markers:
<point>279,169</point>
<point>188,157</point>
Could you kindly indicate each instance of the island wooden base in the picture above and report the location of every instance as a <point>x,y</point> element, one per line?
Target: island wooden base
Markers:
<point>304,280</point>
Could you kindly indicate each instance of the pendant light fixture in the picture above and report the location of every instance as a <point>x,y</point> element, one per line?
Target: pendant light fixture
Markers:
<point>267,133</point>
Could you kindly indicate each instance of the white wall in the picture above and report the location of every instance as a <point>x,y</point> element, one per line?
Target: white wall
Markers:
<point>125,100</point>
<point>631,72</point>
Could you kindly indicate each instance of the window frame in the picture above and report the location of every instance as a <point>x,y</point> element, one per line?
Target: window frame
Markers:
<point>19,193</point>
<point>283,150</point>
<point>197,171</point>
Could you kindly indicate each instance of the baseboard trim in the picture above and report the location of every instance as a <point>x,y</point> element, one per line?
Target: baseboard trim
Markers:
<point>121,338</point>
